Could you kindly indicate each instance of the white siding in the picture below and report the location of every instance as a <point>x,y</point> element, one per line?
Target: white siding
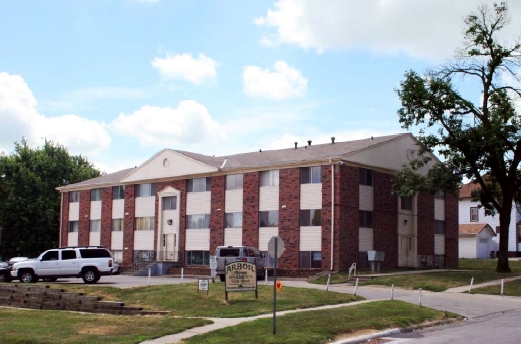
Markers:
<point>74,211</point>
<point>311,196</point>
<point>95,210</point>
<point>439,244</point>
<point>72,239</point>
<point>233,237</point>
<point>94,238</point>
<point>116,242</point>
<point>310,238</point>
<point>405,224</point>
<point>269,198</point>
<point>366,198</point>
<point>365,239</point>
<point>439,209</point>
<point>265,234</point>
<point>145,206</point>
<point>143,240</point>
<point>197,240</point>
<point>170,215</point>
<point>233,201</point>
<point>198,203</point>
<point>118,208</point>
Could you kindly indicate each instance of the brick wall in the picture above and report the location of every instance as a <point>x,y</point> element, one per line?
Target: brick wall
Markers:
<point>217,213</point>
<point>289,217</point>
<point>250,210</point>
<point>84,223</point>
<point>451,231</point>
<point>106,217</point>
<point>128,226</point>
<point>326,217</point>
<point>64,233</point>
<point>425,239</point>
<point>385,232</point>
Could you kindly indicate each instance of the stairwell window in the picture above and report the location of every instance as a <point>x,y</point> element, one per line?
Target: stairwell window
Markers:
<point>170,203</point>
<point>269,178</point>
<point>311,175</point>
<point>365,219</point>
<point>366,177</point>
<point>199,184</point>
<point>439,227</point>
<point>406,203</point>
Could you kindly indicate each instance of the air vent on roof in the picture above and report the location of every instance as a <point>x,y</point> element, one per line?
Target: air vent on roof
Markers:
<point>309,142</point>
<point>332,140</point>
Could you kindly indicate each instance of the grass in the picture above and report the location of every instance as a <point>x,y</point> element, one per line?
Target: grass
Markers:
<point>509,289</point>
<point>186,300</point>
<point>325,325</point>
<point>483,270</point>
<point>56,327</point>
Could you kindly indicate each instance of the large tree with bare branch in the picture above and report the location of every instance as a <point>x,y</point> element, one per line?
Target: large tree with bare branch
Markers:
<point>480,139</point>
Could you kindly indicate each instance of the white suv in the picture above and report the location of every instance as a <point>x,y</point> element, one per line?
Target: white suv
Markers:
<point>87,262</point>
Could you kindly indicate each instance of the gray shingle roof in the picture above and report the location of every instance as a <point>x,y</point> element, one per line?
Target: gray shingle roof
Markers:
<point>107,179</point>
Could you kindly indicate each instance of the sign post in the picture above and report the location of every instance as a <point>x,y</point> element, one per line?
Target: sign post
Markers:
<point>213,267</point>
<point>275,250</point>
<point>204,285</point>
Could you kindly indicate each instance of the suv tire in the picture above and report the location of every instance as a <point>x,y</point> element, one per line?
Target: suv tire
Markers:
<point>27,276</point>
<point>90,275</point>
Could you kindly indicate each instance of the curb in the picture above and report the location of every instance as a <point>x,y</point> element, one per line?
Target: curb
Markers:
<point>395,331</point>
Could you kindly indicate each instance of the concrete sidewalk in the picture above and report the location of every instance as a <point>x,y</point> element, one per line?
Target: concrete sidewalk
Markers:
<point>453,300</point>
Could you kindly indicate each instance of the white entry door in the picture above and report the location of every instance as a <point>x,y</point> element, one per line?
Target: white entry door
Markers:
<point>407,251</point>
<point>169,247</point>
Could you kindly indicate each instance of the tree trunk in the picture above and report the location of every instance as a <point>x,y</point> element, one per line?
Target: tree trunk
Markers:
<point>504,223</point>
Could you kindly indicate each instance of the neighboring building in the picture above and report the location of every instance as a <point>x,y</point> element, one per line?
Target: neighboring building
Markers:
<point>471,213</point>
<point>330,203</point>
<point>475,241</point>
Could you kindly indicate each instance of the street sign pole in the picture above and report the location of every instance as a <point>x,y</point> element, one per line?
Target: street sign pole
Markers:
<point>275,291</point>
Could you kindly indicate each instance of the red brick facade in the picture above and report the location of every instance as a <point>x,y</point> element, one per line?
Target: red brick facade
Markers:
<point>128,226</point>
<point>217,213</point>
<point>84,223</point>
<point>451,231</point>
<point>64,235</point>
<point>106,217</point>
<point>425,238</point>
<point>250,210</point>
<point>385,219</point>
<point>289,217</point>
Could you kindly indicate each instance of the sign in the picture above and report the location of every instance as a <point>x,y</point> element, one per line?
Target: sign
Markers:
<point>204,285</point>
<point>240,276</point>
<point>271,247</point>
<point>213,266</point>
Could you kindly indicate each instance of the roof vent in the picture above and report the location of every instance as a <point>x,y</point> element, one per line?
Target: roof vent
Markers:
<point>371,138</point>
<point>305,147</point>
<point>309,142</point>
<point>296,143</point>
<point>333,140</point>
<point>260,150</point>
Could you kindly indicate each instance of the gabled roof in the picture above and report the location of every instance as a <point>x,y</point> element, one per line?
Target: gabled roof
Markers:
<point>170,163</point>
<point>466,190</point>
<point>472,229</point>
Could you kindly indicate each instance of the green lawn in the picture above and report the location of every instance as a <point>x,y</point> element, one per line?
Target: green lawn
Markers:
<point>324,326</point>
<point>509,289</point>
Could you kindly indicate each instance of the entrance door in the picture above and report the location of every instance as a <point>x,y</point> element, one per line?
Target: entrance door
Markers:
<point>407,251</point>
<point>170,251</point>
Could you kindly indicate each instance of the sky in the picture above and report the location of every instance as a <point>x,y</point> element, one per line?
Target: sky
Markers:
<point>119,80</point>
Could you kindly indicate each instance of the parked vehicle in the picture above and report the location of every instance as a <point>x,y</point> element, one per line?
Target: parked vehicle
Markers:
<point>87,262</point>
<point>5,272</point>
<point>228,254</point>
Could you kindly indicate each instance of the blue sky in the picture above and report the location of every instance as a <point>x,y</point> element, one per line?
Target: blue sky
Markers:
<point>119,80</point>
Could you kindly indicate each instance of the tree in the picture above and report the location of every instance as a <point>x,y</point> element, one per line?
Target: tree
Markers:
<point>29,201</point>
<point>479,141</point>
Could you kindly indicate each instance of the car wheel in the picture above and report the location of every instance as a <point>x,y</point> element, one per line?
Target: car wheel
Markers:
<point>90,276</point>
<point>27,276</point>
<point>222,278</point>
<point>5,278</point>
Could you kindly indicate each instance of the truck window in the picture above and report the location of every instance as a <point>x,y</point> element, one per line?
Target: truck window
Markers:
<point>230,252</point>
<point>68,254</point>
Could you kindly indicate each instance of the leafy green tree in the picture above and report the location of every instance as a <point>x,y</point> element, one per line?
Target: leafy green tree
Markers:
<point>477,140</point>
<point>29,201</point>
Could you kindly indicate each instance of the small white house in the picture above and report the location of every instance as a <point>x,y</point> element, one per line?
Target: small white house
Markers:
<point>475,240</point>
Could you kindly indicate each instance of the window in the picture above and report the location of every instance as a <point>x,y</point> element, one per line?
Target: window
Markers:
<point>406,203</point>
<point>439,227</point>
<point>439,195</point>
<point>483,240</point>
<point>269,178</point>
<point>311,175</point>
<point>233,220</point>
<point>118,192</point>
<point>366,219</point>
<point>310,260</point>
<point>269,218</point>
<point>198,221</point>
<point>95,225</point>
<point>234,182</point>
<point>144,223</point>
<point>366,177</point>
<point>311,217</point>
<point>145,190</point>
<point>199,184</point>
<point>474,215</point>
<point>74,196</point>
<point>51,255</point>
<point>95,195</point>
<point>95,253</point>
<point>170,203</point>
<point>197,258</point>
<point>117,225</point>
<point>68,254</point>
<point>73,227</point>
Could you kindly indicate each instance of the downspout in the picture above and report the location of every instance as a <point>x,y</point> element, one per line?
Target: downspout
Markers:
<point>61,219</point>
<point>332,211</point>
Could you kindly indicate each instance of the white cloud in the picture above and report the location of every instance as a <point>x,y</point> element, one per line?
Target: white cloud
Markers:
<point>430,29</point>
<point>284,82</point>
<point>20,118</point>
<point>190,122</point>
<point>194,70</point>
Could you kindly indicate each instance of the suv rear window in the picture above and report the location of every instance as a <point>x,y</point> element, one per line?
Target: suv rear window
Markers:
<point>95,253</point>
<point>230,252</point>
